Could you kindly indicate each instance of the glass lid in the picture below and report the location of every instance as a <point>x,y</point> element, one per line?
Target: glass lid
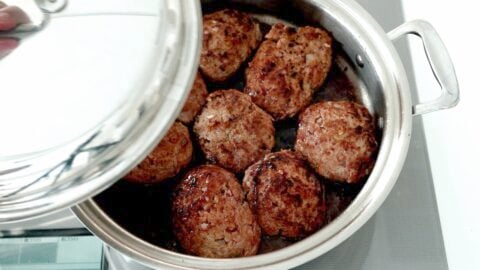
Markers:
<point>87,89</point>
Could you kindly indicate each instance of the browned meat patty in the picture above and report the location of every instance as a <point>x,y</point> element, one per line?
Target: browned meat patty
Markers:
<point>229,37</point>
<point>211,217</point>
<point>195,101</point>
<point>286,197</point>
<point>232,131</point>
<point>288,67</point>
<point>338,139</point>
<point>172,154</point>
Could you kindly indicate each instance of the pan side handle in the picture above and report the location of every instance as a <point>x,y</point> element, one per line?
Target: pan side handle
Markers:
<point>439,61</point>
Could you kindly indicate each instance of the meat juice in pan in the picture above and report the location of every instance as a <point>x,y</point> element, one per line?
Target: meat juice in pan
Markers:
<point>145,211</point>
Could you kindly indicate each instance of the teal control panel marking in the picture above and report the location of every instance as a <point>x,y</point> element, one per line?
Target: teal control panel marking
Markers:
<point>67,252</point>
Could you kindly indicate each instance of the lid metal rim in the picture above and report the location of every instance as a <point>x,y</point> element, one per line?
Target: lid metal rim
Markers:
<point>139,143</point>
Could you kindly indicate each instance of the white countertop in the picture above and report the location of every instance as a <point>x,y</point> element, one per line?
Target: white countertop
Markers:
<point>453,135</point>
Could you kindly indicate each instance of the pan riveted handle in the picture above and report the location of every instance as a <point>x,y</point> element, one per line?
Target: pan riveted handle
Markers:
<point>440,62</point>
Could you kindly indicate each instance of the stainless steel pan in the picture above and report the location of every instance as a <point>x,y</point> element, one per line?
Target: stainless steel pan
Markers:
<point>384,89</point>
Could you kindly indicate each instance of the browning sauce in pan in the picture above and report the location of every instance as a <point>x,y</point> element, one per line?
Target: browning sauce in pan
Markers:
<point>145,210</point>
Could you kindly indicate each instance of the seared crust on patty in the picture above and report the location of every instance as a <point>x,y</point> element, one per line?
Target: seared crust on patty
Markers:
<point>232,131</point>
<point>288,67</point>
<point>211,217</point>
<point>173,153</point>
<point>195,101</point>
<point>286,197</point>
<point>338,139</point>
<point>229,37</point>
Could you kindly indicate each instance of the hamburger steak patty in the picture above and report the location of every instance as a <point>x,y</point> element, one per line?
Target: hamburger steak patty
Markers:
<point>195,101</point>
<point>229,37</point>
<point>173,153</point>
<point>286,197</point>
<point>232,131</point>
<point>211,217</point>
<point>290,65</point>
<point>338,139</point>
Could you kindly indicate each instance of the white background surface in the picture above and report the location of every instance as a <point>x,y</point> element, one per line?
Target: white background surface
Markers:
<point>453,135</point>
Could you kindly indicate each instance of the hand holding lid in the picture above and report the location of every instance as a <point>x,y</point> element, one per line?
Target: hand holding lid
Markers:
<point>10,17</point>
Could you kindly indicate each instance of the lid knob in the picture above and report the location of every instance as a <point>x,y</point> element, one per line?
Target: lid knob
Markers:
<point>51,6</point>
